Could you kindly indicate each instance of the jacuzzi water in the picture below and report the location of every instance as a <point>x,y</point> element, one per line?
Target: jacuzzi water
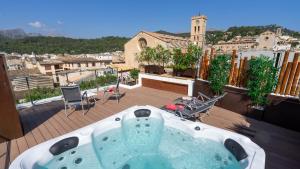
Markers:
<point>142,143</point>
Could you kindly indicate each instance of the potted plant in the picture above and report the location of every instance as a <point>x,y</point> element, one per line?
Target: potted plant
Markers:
<point>262,77</point>
<point>163,56</point>
<point>152,57</point>
<point>219,73</point>
<point>134,73</point>
<point>185,64</point>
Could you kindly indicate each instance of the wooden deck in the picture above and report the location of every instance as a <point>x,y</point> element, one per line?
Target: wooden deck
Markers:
<point>47,121</point>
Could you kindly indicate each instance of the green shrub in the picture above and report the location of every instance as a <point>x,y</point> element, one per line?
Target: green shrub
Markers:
<point>134,73</point>
<point>184,61</point>
<point>41,93</point>
<point>107,79</point>
<point>219,73</point>
<point>262,79</point>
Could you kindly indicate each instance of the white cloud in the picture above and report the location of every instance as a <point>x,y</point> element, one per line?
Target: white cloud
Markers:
<point>59,22</point>
<point>36,24</point>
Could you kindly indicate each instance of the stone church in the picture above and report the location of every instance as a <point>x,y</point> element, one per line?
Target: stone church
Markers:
<point>151,39</point>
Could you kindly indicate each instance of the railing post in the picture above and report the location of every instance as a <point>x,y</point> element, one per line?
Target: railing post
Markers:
<point>29,90</point>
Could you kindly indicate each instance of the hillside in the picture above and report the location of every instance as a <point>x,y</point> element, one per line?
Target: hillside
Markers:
<point>56,45</point>
<point>213,36</point>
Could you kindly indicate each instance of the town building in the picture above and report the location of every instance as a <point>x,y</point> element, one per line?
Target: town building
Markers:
<point>152,39</point>
<point>237,43</point>
<point>61,66</point>
<point>266,41</point>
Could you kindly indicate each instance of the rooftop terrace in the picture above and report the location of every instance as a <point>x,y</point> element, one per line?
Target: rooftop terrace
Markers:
<point>47,121</point>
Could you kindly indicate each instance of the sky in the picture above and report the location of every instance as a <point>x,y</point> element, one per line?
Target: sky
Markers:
<point>98,18</point>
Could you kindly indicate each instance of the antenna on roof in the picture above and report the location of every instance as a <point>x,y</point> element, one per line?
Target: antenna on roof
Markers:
<point>199,14</point>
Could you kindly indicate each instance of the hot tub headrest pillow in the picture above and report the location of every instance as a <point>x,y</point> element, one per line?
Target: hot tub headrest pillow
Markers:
<point>236,149</point>
<point>64,145</point>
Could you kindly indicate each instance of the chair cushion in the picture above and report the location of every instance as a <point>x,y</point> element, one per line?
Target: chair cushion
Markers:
<point>174,107</point>
<point>111,89</point>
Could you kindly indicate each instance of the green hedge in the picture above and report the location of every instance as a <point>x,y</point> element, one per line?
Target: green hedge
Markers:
<point>98,82</point>
<point>41,93</point>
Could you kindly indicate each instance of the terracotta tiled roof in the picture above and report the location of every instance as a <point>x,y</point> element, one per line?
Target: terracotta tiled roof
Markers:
<point>23,72</point>
<point>68,59</point>
<point>173,41</point>
<point>50,62</point>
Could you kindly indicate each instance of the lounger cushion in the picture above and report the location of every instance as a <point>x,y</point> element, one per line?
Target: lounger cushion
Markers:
<point>174,107</point>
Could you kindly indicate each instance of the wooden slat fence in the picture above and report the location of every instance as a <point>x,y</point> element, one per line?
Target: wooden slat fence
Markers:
<point>288,76</point>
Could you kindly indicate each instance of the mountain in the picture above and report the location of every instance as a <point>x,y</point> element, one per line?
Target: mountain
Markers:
<point>61,45</point>
<point>13,33</point>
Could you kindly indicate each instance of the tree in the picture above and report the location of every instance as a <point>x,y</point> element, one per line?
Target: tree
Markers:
<point>219,73</point>
<point>147,55</point>
<point>162,56</point>
<point>134,73</point>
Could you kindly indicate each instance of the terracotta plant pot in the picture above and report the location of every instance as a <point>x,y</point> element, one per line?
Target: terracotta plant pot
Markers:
<point>154,69</point>
<point>256,112</point>
<point>185,73</point>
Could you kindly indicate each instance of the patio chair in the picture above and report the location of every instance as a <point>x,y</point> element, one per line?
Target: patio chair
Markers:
<point>193,109</point>
<point>113,91</point>
<point>72,97</point>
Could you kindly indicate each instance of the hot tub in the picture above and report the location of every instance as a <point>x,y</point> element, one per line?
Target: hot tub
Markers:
<point>144,137</point>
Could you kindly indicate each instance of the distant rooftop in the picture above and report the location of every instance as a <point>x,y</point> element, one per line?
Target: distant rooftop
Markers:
<point>68,59</point>
<point>173,41</point>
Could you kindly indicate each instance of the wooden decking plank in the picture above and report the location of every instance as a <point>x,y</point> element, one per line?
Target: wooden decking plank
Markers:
<point>48,121</point>
<point>30,139</point>
<point>22,144</point>
<point>67,121</point>
<point>14,150</point>
<point>61,130</point>
<point>62,123</point>
<point>3,154</point>
<point>44,131</point>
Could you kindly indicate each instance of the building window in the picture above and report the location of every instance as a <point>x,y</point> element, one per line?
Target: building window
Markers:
<point>49,73</point>
<point>78,64</point>
<point>198,28</point>
<point>266,38</point>
<point>142,43</point>
<point>47,67</point>
<point>86,64</point>
<point>56,67</point>
<point>195,29</point>
<point>93,64</point>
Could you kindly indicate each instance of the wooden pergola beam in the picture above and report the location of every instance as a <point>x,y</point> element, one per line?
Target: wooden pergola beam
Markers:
<point>202,67</point>
<point>282,71</point>
<point>232,66</point>
<point>285,78</point>
<point>292,74</point>
<point>295,80</point>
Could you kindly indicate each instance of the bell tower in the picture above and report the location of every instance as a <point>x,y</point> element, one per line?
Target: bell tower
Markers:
<point>198,29</point>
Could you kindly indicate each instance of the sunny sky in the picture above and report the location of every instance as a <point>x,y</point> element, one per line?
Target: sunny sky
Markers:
<point>97,18</point>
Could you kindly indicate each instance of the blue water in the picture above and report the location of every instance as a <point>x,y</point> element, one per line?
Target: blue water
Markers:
<point>144,143</point>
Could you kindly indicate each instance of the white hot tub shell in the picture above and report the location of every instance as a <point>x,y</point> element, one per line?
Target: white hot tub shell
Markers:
<point>40,153</point>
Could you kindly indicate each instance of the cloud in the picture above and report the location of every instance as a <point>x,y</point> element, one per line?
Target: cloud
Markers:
<point>36,24</point>
<point>59,22</point>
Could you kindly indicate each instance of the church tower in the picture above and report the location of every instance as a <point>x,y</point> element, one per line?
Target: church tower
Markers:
<point>198,29</point>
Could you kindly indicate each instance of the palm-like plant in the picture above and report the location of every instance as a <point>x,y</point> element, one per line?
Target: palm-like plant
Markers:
<point>219,73</point>
<point>262,79</point>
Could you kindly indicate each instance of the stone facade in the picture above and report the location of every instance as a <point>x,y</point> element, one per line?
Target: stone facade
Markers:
<point>267,40</point>
<point>151,39</point>
<point>198,29</point>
